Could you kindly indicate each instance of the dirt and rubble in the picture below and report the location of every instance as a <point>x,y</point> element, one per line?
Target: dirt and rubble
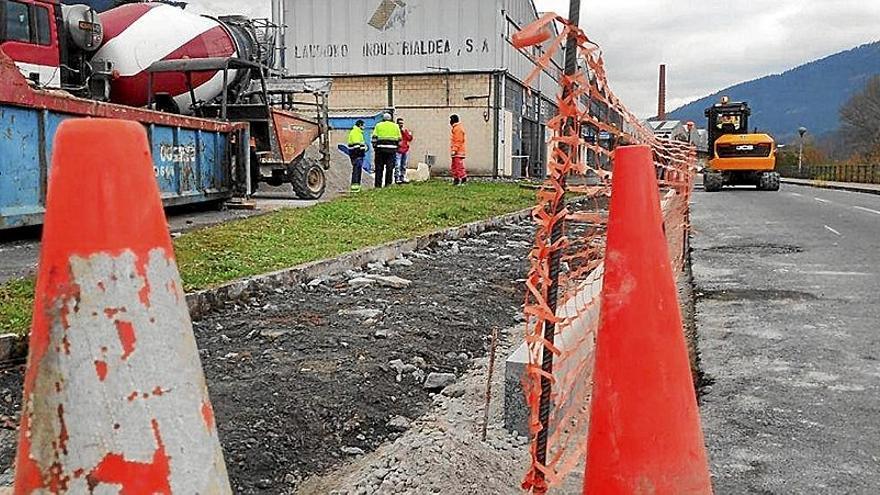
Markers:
<point>307,379</point>
<point>442,451</point>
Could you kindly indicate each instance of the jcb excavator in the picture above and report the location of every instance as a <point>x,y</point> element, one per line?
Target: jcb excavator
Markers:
<point>737,157</point>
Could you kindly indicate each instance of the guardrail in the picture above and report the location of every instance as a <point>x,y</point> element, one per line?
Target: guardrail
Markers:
<point>865,174</point>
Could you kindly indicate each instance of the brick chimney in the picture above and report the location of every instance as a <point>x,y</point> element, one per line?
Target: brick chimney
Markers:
<point>661,102</point>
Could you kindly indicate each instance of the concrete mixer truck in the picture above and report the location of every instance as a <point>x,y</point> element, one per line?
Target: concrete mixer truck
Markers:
<point>157,63</point>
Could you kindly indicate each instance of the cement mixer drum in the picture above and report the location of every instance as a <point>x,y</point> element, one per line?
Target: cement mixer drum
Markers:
<point>137,35</point>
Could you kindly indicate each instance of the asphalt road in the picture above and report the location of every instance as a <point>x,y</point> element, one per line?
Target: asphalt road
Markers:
<point>788,288</point>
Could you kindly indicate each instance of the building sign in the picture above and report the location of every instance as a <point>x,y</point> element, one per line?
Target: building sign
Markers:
<point>354,37</point>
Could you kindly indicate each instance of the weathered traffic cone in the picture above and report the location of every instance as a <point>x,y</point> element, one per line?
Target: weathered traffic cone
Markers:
<point>645,435</point>
<point>114,396</point>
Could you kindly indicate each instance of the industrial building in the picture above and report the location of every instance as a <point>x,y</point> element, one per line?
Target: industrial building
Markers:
<point>425,60</point>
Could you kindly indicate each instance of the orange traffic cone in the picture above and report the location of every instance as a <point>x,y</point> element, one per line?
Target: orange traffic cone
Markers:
<point>114,397</point>
<point>645,435</point>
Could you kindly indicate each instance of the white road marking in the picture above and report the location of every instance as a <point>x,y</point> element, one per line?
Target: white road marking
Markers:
<point>832,230</point>
<point>797,195</point>
<point>841,274</point>
<point>867,209</point>
<point>822,200</point>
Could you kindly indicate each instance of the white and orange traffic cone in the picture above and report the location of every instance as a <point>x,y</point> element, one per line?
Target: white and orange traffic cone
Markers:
<point>645,435</point>
<point>114,398</point>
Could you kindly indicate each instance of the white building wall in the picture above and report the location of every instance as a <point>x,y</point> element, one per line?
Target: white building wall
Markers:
<point>389,37</point>
<point>361,37</point>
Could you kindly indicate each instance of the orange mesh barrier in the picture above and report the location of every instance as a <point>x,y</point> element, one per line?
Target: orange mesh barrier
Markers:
<point>565,279</point>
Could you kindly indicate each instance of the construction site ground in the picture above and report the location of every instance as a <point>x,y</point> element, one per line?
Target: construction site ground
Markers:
<point>319,389</point>
<point>306,379</point>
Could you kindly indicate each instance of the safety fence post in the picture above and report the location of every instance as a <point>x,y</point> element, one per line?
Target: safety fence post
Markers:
<point>568,151</point>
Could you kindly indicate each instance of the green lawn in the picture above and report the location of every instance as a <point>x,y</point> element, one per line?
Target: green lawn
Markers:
<point>215,255</point>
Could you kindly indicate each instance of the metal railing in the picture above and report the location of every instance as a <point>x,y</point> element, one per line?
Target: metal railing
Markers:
<point>865,174</point>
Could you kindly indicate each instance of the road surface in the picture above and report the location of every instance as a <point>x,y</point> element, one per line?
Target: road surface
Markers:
<point>788,288</point>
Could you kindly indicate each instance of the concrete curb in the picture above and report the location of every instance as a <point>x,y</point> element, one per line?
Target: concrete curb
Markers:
<point>202,302</point>
<point>839,186</point>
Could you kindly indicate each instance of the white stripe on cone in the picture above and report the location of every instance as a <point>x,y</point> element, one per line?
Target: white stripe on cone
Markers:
<point>142,358</point>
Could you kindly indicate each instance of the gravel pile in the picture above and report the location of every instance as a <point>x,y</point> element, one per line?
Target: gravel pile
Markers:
<point>442,451</point>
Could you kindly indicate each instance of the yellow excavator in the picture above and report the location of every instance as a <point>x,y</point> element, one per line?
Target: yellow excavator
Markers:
<point>737,157</point>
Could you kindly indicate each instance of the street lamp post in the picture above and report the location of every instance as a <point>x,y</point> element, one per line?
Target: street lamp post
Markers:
<point>802,131</point>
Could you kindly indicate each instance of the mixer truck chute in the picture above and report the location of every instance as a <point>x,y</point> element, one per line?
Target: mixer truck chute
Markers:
<point>281,130</point>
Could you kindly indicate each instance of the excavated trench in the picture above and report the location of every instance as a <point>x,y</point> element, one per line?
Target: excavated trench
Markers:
<point>306,378</point>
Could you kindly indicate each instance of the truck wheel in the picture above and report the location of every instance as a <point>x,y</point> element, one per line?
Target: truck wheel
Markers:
<point>713,182</point>
<point>774,181</point>
<point>769,181</point>
<point>308,179</point>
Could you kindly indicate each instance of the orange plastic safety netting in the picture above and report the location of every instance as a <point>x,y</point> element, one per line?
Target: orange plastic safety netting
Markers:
<point>565,280</point>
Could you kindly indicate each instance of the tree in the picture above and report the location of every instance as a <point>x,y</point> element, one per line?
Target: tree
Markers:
<point>860,120</point>
<point>813,155</point>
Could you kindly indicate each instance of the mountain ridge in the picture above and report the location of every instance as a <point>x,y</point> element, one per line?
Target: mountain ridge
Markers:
<point>809,95</point>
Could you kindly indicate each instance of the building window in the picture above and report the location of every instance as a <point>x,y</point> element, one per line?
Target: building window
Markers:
<point>18,22</point>
<point>44,32</point>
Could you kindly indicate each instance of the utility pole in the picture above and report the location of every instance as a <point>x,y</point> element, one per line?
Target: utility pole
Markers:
<point>571,67</point>
<point>802,131</point>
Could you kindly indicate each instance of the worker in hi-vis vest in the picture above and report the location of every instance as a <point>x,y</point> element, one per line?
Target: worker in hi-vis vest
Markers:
<point>386,142</point>
<point>458,150</point>
<point>357,151</point>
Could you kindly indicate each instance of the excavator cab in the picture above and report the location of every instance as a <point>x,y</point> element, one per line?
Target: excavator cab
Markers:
<point>738,157</point>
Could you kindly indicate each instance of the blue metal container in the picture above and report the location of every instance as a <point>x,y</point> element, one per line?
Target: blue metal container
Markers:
<point>194,159</point>
<point>346,122</point>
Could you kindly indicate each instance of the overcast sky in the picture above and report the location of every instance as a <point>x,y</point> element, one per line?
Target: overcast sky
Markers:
<point>706,44</point>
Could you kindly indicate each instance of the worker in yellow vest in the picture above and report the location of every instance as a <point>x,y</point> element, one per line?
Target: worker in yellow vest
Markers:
<point>386,142</point>
<point>357,151</point>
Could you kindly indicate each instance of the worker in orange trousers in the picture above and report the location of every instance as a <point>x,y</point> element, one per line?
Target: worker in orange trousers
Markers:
<point>458,148</point>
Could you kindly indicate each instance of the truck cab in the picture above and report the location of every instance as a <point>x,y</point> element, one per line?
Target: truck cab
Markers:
<point>51,44</point>
<point>29,35</point>
<point>736,156</point>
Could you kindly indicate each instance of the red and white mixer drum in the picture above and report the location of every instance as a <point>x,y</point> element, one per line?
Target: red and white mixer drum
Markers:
<point>137,35</point>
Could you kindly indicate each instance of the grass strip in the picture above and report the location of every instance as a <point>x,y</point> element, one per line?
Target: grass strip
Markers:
<point>219,254</point>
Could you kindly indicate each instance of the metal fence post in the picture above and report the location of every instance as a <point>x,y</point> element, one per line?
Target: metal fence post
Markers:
<point>571,66</point>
